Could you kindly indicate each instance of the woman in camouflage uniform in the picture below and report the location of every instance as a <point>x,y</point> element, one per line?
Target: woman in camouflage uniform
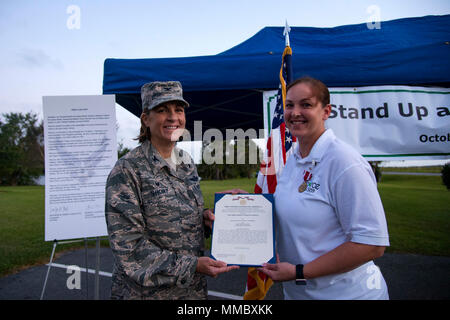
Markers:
<point>154,209</point>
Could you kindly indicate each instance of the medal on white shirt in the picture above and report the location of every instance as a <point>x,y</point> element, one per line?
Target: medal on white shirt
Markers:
<point>307,175</point>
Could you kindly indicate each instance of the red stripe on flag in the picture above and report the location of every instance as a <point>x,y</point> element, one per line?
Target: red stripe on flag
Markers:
<point>282,142</point>
<point>251,283</point>
<point>272,183</point>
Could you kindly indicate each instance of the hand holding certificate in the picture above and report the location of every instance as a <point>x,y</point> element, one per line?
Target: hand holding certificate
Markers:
<point>243,230</point>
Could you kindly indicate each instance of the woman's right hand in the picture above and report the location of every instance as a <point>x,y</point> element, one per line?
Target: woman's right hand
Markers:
<point>212,267</point>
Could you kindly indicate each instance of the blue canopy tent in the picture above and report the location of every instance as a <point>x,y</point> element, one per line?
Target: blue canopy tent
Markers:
<point>224,90</point>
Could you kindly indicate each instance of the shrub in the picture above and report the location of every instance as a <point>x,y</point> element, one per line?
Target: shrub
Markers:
<point>376,170</point>
<point>446,175</point>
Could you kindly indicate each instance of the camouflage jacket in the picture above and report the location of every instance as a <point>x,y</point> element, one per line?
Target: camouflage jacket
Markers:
<point>155,226</point>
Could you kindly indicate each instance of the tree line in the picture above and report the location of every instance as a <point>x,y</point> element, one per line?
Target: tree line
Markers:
<point>240,165</point>
<point>21,148</point>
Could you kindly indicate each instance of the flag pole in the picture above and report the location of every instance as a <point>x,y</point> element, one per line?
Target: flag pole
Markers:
<point>286,31</point>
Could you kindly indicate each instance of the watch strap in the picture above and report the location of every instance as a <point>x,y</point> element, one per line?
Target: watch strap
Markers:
<point>299,277</point>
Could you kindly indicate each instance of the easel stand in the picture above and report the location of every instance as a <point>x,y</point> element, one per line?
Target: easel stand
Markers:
<point>97,267</point>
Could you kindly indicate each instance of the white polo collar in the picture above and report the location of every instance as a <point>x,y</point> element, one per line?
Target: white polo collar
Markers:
<point>318,149</point>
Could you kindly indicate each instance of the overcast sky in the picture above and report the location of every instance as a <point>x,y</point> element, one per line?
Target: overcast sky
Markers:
<point>47,50</point>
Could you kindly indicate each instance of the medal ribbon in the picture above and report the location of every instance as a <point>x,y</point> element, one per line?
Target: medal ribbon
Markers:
<point>307,176</point>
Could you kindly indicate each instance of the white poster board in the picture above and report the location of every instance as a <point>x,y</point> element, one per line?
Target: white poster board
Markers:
<point>80,151</point>
<point>387,122</point>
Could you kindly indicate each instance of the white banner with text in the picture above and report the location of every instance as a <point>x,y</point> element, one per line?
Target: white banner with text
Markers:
<point>387,122</point>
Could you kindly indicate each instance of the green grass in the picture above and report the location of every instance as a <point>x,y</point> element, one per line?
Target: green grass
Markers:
<point>22,229</point>
<point>21,226</point>
<point>417,213</point>
<point>429,169</point>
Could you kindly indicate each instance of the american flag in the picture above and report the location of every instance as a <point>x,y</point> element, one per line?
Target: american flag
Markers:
<point>279,147</point>
<point>280,142</point>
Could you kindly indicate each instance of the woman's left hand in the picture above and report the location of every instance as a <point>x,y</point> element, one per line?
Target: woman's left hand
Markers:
<point>280,271</point>
<point>208,218</point>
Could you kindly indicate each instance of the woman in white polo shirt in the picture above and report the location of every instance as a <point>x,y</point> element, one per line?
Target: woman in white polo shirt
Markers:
<point>330,222</point>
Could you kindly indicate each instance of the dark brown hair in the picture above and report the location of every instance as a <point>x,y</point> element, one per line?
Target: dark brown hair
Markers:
<point>144,133</point>
<point>320,89</point>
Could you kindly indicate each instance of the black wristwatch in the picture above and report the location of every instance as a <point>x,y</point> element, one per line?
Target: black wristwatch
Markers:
<point>299,277</point>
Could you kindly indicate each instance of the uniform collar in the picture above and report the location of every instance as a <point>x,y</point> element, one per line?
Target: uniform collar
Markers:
<point>180,157</point>
<point>318,149</point>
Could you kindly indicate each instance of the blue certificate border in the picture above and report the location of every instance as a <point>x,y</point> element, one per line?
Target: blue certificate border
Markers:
<point>268,196</point>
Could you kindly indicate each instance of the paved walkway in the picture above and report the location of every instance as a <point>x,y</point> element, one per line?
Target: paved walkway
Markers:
<point>408,277</point>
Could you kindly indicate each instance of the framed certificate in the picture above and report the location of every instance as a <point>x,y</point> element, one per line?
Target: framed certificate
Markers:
<point>243,230</point>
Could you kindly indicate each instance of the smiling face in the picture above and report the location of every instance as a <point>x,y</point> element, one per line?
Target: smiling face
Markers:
<point>166,122</point>
<point>304,113</point>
